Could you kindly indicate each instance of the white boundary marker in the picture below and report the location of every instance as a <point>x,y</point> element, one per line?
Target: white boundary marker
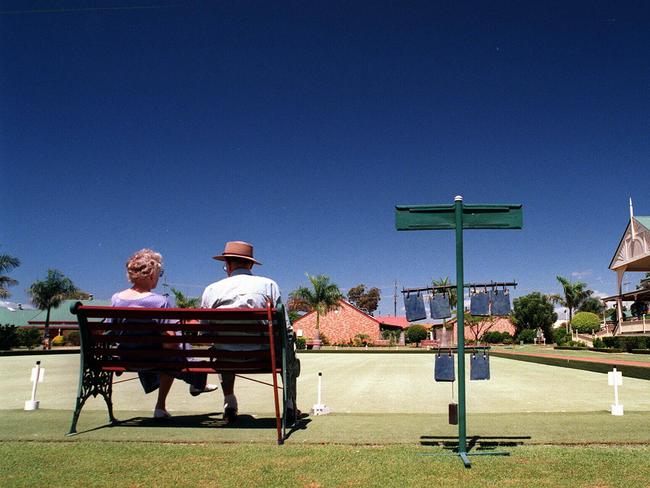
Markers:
<point>615,379</point>
<point>319,408</point>
<point>38,374</point>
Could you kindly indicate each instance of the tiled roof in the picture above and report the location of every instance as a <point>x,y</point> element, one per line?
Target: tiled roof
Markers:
<point>62,314</point>
<point>394,321</point>
<point>17,317</point>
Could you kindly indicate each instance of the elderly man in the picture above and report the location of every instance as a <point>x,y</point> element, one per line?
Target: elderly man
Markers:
<point>239,290</point>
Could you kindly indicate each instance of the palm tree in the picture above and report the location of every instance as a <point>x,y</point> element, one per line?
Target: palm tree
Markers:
<point>573,295</point>
<point>7,264</point>
<point>50,293</point>
<point>322,297</point>
<point>453,300</point>
<point>183,301</point>
<point>451,291</point>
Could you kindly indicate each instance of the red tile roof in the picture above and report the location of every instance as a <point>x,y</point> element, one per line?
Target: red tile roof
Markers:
<point>394,321</point>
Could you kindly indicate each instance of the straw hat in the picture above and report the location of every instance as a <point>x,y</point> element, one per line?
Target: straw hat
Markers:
<point>237,249</point>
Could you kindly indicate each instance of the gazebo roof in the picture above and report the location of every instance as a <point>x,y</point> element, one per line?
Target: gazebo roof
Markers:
<point>630,296</point>
<point>633,254</point>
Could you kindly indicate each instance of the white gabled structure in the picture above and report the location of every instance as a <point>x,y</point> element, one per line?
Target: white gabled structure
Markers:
<point>632,254</point>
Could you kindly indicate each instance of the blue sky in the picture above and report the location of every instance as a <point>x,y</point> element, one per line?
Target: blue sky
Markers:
<point>298,126</point>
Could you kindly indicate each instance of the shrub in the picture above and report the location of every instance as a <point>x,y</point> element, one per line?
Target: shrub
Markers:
<point>577,344</point>
<point>361,340</point>
<point>585,322</point>
<point>73,338</point>
<point>8,337</point>
<point>527,335</point>
<point>58,341</point>
<point>392,336</point>
<point>416,333</point>
<point>598,343</point>
<point>301,343</point>
<point>495,337</point>
<point>324,339</point>
<point>627,343</point>
<point>560,336</point>
<point>29,338</point>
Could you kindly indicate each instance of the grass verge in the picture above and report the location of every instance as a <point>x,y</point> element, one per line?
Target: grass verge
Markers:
<point>112,464</point>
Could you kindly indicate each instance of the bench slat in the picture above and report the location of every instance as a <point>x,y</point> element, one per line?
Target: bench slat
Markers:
<point>153,326</point>
<point>175,353</point>
<point>209,366</point>
<point>246,314</point>
<point>110,339</point>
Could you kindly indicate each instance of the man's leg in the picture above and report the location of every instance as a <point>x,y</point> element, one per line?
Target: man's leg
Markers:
<point>229,398</point>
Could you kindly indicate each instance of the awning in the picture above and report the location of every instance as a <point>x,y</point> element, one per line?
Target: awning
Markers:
<point>630,296</point>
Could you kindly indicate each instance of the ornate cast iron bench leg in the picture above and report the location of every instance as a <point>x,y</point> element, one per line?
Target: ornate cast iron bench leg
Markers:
<point>93,383</point>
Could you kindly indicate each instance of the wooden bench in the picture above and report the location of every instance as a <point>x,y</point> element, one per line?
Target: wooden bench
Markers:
<point>129,339</point>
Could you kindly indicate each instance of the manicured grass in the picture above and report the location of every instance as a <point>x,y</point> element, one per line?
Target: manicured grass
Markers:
<point>351,429</point>
<point>145,464</point>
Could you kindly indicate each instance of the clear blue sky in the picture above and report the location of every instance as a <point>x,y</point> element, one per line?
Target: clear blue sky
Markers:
<point>298,126</point>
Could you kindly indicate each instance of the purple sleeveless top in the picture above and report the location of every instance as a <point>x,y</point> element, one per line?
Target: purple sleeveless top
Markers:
<point>150,301</point>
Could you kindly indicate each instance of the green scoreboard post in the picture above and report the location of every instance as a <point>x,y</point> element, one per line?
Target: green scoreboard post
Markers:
<point>459,216</point>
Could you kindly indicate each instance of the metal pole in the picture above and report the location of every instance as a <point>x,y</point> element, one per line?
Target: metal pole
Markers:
<point>320,377</point>
<point>460,322</point>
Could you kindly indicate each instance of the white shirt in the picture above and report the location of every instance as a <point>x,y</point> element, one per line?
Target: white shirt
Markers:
<point>241,290</point>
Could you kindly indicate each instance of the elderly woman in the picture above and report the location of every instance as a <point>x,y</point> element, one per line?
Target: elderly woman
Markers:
<point>144,269</point>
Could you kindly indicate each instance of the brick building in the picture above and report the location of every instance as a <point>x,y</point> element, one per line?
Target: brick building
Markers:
<point>340,326</point>
<point>500,324</point>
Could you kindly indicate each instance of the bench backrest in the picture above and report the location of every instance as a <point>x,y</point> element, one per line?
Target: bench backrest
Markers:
<point>129,338</point>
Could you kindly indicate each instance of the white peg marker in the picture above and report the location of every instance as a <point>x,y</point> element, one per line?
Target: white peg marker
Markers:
<point>319,408</point>
<point>37,377</point>
<point>615,379</point>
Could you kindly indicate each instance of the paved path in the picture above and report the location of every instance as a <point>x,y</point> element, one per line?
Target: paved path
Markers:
<point>612,361</point>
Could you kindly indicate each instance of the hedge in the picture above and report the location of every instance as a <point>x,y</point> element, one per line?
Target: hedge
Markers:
<point>627,370</point>
<point>627,343</point>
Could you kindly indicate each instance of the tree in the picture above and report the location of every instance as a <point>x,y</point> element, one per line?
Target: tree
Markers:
<point>639,308</point>
<point>8,337</point>
<point>586,322</point>
<point>183,301</point>
<point>593,305</point>
<point>452,291</point>
<point>50,293</point>
<point>573,295</point>
<point>297,304</point>
<point>416,333</point>
<point>532,311</point>
<point>322,297</point>
<point>366,301</point>
<point>479,325</point>
<point>7,264</point>
<point>644,284</point>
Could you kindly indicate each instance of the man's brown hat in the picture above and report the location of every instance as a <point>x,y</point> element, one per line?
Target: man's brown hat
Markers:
<point>237,249</point>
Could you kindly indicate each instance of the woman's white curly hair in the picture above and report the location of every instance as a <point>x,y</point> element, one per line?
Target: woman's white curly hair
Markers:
<point>143,264</point>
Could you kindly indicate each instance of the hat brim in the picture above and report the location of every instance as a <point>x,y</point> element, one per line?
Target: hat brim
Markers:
<point>222,257</point>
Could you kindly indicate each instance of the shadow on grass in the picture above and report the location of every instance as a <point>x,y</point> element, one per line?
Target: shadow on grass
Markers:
<point>205,421</point>
<point>477,442</point>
